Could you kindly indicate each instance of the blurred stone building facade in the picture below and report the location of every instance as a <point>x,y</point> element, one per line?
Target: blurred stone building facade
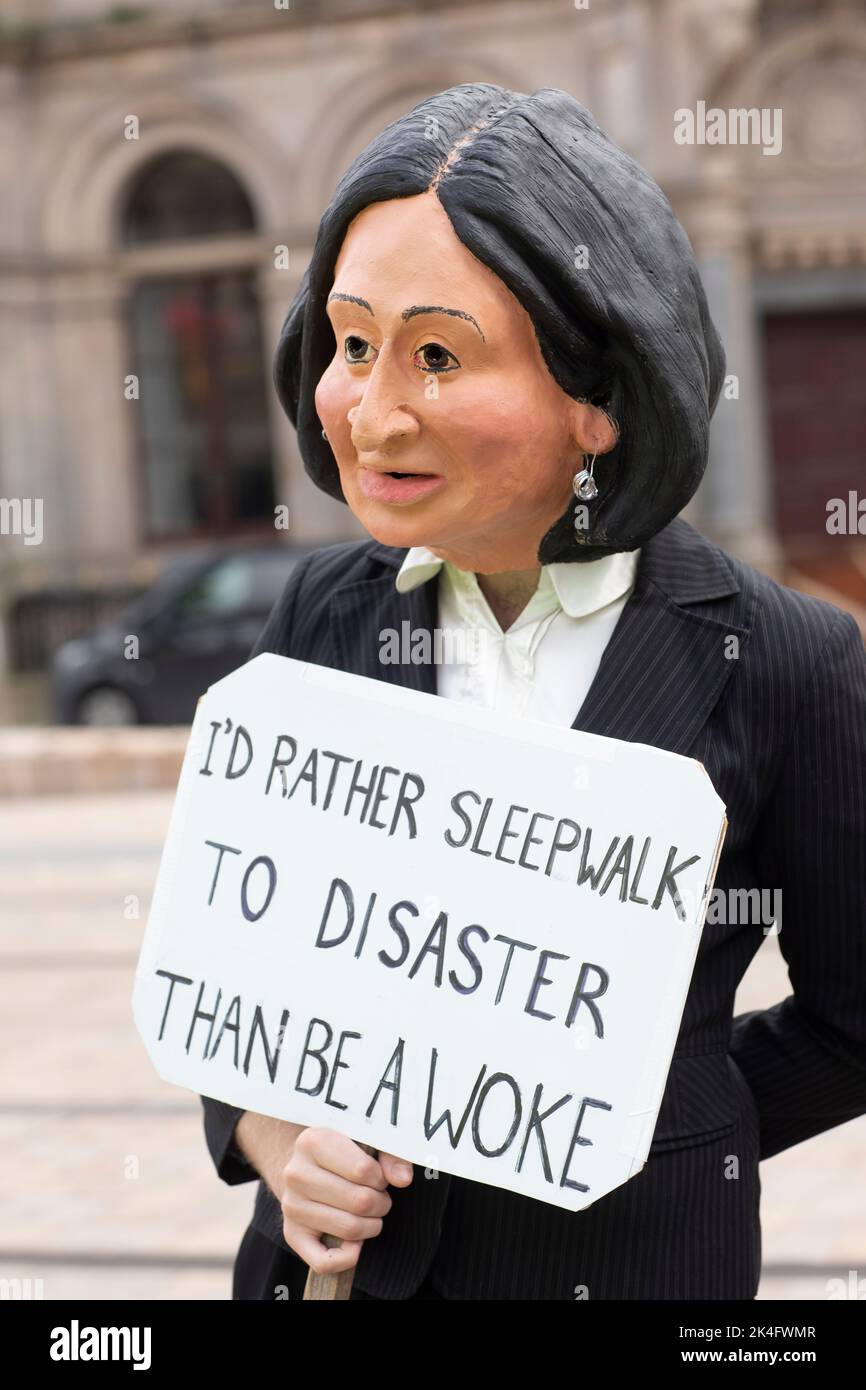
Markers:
<point>163,168</point>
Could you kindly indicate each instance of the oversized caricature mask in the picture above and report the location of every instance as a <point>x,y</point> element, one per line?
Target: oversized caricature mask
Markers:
<point>497,294</point>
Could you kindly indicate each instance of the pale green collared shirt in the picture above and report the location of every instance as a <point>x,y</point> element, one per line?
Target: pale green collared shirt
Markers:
<point>544,664</point>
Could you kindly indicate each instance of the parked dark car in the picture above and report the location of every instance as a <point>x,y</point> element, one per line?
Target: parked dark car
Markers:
<point>196,623</point>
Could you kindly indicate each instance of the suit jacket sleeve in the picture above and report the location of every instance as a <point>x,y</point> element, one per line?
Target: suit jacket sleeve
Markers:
<point>220,1119</point>
<point>805,1058</point>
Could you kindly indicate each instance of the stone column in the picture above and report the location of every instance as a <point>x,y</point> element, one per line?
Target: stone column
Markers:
<point>734,503</point>
<point>92,355</point>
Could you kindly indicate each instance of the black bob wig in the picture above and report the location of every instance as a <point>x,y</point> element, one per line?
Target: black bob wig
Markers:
<point>527,182</point>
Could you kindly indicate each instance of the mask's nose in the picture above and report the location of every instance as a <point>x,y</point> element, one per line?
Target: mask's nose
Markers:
<point>383,416</point>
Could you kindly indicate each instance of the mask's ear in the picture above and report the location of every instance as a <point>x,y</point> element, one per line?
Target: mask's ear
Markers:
<point>592,429</point>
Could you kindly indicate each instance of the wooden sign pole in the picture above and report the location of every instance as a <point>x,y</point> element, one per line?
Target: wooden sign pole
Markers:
<point>328,1288</point>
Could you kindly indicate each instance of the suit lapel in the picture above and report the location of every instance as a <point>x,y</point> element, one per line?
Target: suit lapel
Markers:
<point>660,676</point>
<point>667,663</point>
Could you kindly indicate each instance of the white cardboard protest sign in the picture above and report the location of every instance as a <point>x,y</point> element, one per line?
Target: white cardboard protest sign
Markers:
<point>454,935</point>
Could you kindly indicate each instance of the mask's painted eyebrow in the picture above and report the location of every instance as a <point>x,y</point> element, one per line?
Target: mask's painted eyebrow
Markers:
<point>351,299</point>
<point>413,311</point>
<point>416,309</point>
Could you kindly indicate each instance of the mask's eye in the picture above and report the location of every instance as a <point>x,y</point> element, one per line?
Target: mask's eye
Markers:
<point>433,357</point>
<point>357,350</point>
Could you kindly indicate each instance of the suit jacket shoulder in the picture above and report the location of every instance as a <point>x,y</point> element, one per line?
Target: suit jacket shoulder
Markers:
<point>301,610</point>
<point>786,632</point>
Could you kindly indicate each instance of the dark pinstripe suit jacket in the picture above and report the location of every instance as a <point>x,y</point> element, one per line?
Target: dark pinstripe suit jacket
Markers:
<point>781,729</point>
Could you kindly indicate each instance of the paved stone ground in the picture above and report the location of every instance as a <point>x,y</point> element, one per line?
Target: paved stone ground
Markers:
<point>108,1190</point>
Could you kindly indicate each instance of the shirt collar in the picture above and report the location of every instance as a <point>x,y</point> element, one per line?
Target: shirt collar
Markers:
<point>581,588</point>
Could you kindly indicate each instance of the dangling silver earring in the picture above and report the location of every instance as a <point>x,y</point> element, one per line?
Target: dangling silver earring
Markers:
<point>324,436</point>
<point>583,483</point>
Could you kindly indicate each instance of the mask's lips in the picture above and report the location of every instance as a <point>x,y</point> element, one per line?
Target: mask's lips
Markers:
<point>398,485</point>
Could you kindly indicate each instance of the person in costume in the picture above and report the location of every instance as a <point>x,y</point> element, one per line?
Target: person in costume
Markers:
<point>502,360</point>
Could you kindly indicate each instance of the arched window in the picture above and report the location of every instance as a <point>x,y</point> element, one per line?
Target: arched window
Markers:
<point>185,194</point>
<point>197,348</point>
